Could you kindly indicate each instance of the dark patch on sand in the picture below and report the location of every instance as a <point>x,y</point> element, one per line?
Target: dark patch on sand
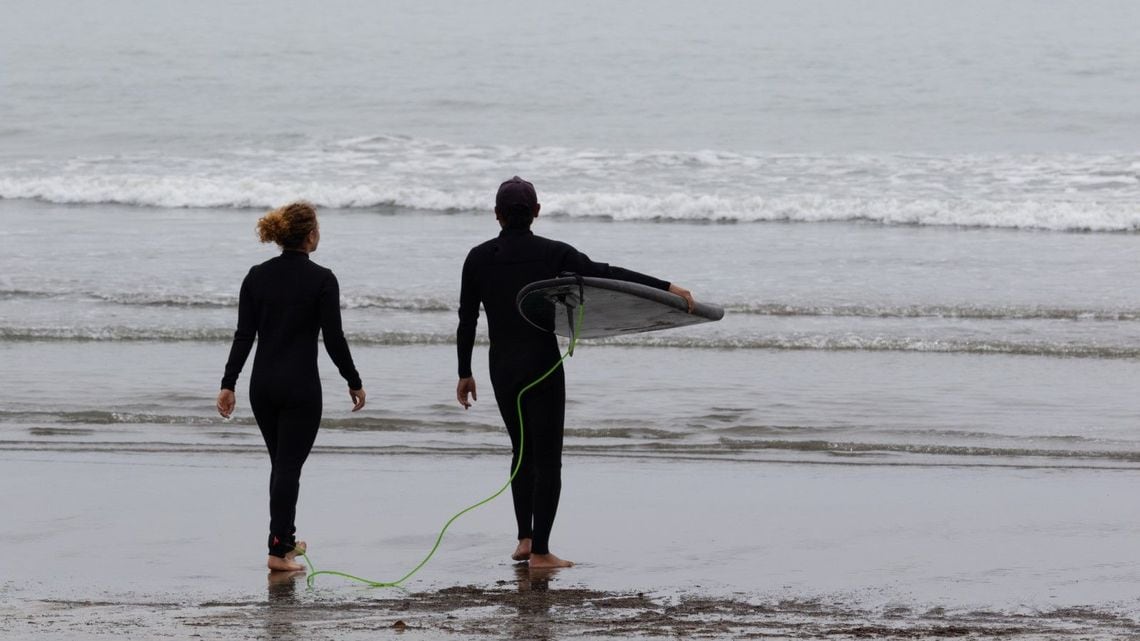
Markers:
<point>532,608</point>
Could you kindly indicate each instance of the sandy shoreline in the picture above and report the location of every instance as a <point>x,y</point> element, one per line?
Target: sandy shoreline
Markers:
<point>169,546</point>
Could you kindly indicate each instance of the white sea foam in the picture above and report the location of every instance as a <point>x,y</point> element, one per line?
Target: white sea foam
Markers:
<point>776,342</point>
<point>428,304</point>
<point>164,298</point>
<point>1050,192</point>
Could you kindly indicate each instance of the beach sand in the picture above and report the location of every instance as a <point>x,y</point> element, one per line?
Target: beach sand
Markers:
<point>170,545</point>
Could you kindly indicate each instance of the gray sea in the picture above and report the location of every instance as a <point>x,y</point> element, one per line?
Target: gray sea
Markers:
<point>921,218</point>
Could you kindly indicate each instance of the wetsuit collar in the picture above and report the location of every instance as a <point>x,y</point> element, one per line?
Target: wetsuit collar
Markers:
<point>515,232</point>
<point>294,253</point>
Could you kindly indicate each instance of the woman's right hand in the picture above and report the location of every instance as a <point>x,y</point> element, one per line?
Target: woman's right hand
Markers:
<point>357,396</point>
<point>226,402</point>
<point>463,388</point>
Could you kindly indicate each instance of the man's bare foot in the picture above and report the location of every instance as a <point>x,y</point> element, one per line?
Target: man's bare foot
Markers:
<point>544,561</point>
<point>278,564</point>
<point>522,552</point>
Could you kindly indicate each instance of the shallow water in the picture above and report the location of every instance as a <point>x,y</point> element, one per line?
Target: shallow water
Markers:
<point>882,343</point>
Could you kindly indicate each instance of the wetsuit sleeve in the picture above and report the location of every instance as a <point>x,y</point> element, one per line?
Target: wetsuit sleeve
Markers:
<point>572,260</point>
<point>243,337</point>
<point>468,316</point>
<point>335,343</point>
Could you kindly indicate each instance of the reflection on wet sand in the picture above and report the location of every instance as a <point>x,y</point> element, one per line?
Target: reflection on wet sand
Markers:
<point>533,604</point>
<point>281,612</point>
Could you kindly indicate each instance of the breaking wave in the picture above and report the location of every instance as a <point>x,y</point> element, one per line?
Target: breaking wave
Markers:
<point>1059,192</point>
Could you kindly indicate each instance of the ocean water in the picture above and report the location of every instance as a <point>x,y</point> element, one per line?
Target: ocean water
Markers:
<point>920,217</point>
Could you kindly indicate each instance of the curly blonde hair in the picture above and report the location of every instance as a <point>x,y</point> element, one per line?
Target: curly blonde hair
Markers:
<point>288,226</point>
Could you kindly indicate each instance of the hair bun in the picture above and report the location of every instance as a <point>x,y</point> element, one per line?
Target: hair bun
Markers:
<point>288,226</point>
<point>270,226</point>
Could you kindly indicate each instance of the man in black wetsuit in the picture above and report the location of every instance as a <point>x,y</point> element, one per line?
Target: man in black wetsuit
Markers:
<point>493,274</point>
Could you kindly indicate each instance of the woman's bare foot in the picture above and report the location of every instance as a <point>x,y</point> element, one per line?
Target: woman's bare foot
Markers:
<point>278,564</point>
<point>522,552</point>
<point>544,561</point>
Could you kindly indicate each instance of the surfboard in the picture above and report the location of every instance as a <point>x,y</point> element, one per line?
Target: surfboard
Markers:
<point>612,307</point>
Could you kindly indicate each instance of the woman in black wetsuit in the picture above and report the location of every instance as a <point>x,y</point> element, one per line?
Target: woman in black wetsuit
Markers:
<point>493,274</point>
<point>285,302</point>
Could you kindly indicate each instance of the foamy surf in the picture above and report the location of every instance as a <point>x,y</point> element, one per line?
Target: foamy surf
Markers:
<point>1058,192</point>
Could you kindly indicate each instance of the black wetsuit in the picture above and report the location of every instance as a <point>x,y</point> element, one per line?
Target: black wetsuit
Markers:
<point>493,274</point>
<point>285,302</point>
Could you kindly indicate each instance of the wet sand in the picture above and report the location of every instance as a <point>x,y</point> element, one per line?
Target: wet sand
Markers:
<point>170,546</point>
<point>532,608</point>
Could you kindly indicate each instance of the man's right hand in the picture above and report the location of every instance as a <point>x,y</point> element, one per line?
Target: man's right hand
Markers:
<point>466,386</point>
<point>357,396</point>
